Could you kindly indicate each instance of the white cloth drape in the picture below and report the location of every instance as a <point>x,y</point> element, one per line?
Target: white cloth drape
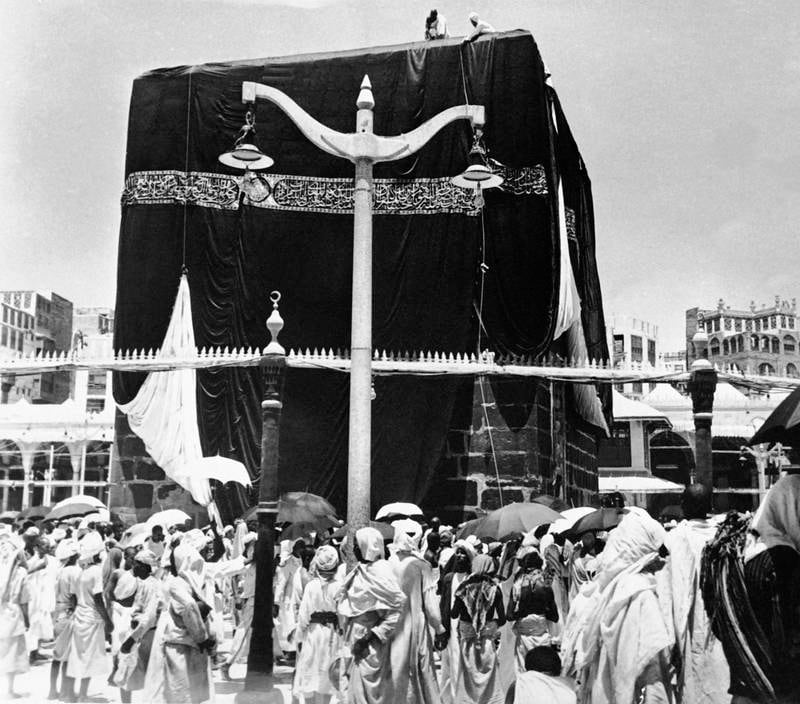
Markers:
<point>164,412</point>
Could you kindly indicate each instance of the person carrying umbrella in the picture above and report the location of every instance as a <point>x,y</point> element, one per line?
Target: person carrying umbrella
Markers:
<point>480,612</point>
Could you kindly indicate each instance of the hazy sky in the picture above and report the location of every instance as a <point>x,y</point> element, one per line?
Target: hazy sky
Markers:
<point>686,113</point>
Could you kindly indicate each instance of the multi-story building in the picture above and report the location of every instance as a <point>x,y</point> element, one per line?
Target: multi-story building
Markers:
<point>631,340</point>
<point>93,333</point>
<point>16,337</point>
<point>762,340</point>
<point>51,315</point>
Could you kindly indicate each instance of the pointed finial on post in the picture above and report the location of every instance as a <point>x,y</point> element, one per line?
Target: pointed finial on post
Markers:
<point>365,99</point>
<point>275,325</point>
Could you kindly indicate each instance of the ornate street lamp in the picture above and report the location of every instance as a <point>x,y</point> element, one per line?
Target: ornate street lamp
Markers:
<point>364,149</point>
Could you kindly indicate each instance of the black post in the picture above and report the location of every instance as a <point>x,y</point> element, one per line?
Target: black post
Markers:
<point>702,385</point>
<point>260,658</point>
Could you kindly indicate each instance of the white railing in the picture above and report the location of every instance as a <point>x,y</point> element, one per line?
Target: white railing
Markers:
<point>383,363</point>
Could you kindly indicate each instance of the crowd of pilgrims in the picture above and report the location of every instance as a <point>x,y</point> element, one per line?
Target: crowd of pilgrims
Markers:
<point>704,612</point>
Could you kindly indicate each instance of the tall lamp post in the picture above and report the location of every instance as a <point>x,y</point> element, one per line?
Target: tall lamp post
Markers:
<point>260,657</point>
<point>702,385</point>
<point>364,149</point>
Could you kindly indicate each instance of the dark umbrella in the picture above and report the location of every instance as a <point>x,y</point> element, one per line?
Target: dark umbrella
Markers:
<point>601,519</point>
<point>551,502</point>
<point>514,518</point>
<point>671,512</point>
<point>300,507</point>
<point>33,513</point>
<point>783,424</point>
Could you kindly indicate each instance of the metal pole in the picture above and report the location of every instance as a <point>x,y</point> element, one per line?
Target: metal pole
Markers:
<point>83,468</point>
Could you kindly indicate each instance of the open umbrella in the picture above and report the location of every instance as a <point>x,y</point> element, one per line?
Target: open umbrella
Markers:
<point>469,528</point>
<point>783,424</point>
<point>398,509</point>
<point>33,513</point>
<point>300,530</point>
<point>72,510</point>
<point>168,518</point>
<point>673,511</point>
<point>570,515</point>
<point>223,469</point>
<point>301,507</point>
<point>514,518</point>
<point>131,536</point>
<point>551,502</point>
<point>599,519</point>
<point>80,499</point>
<point>8,516</point>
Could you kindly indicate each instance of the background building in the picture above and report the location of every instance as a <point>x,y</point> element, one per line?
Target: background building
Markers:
<point>51,449</point>
<point>16,337</point>
<point>632,340</point>
<point>763,340</point>
<point>51,315</point>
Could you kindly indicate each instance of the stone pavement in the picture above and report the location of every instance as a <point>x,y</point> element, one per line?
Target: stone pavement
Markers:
<point>34,685</point>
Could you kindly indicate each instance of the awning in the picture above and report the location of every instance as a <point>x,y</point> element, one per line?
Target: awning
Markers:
<point>638,484</point>
<point>629,409</point>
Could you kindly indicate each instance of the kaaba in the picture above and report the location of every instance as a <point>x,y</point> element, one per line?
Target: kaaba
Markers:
<point>448,276</point>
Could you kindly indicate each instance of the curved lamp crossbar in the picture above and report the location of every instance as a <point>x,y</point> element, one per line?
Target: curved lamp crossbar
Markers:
<point>362,145</point>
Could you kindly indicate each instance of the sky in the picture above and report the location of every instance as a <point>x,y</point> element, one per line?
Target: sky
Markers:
<point>686,114</point>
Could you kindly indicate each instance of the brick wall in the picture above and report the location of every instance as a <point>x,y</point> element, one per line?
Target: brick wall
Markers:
<point>528,457</point>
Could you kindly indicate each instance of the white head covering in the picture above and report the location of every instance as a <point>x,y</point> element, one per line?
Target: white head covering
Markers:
<point>32,532</point>
<point>445,555</point>
<point>147,557</point>
<point>407,534</point>
<point>58,535</point>
<point>468,546</point>
<point>776,520</point>
<point>326,558</point>
<point>66,549</point>
<point>631,545</point>
<point>189,565</point>
<point>90,545</point>
<point>473,16</point>
<point>370,542</point>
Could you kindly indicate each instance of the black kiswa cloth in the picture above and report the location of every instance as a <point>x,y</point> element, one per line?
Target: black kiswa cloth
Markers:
<point>426,266</point>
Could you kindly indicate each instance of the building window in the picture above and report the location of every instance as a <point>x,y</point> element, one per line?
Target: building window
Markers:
<point>728,323</point>
<point>791,322</point>
<point>748,325</point>
<point>5,314</point>
<point>714,348</point>
<point>737,324</point>
<point>775,345</point>
<point>619,349</point>
<point>12,339</point>
<point>716,325</point>
<point>765,369</point>
<point>19,343</point>
<point>636,348</point>
<point>95,405</point>
<point>97,384</point>
<point>726,347</point>
<point>651,352</point>
<point>789,345</point>
<point>637,387</point>
<point>772,321</point>
<point>4,336</point>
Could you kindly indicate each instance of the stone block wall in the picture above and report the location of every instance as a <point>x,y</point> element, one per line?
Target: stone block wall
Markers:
<point>548,448</point>
<point>139,486</point>
<point>484,458</point>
